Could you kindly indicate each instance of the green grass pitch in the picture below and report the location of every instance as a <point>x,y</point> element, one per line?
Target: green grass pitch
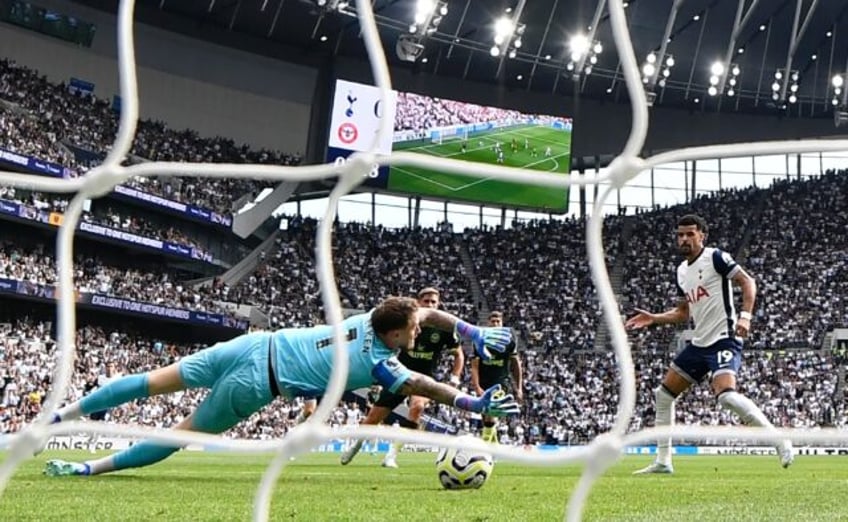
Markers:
<point>414,180</point>
<point>218,487</point>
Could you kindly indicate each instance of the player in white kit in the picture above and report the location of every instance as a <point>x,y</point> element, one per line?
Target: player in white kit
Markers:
<point>704,279</point>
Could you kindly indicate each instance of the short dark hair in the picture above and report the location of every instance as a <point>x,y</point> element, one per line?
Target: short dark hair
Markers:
<point>494,314</point>
<point>393,313</point>
<point>693,219</point>
<point>427,291</point>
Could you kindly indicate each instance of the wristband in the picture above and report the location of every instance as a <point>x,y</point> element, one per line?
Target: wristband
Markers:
<point>466,402</point>
<point>745,315</point>
<point>464,329</point>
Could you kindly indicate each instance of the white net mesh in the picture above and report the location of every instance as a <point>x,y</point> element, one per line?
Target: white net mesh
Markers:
<point>604,451</point>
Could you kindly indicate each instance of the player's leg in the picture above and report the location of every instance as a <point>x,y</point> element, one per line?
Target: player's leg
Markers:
<point>688,368</point>
<point>242,386</point>
<point>417,405</point>
<point>94,437</point>
<point>490,424</point>
<point>377,414</point>
<point>308,409</point>
<point>728,360</point>
<point>125,389</point>
<point>210,417</point>
<point>201,369</point>
<point>490,429</point>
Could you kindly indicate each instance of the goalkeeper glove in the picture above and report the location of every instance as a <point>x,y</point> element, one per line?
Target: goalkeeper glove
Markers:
<point>493,403</point>
<point>497,338</point>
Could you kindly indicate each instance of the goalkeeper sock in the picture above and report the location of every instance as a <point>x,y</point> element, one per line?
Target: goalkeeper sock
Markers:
<point>142,454</point>
<point>665,417</point>
<point>113,394</point>
<point>744,408</point>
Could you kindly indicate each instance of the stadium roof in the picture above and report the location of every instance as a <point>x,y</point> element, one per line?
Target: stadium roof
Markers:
<point>803,39</point>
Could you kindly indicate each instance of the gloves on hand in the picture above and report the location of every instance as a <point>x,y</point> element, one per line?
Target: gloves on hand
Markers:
<point>495,338</point>
<point>493,403</point>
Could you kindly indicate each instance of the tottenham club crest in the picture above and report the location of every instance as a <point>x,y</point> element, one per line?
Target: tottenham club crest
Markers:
<point>351,99</point>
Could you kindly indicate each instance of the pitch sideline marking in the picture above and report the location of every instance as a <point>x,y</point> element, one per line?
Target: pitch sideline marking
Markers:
<point>440,184</point>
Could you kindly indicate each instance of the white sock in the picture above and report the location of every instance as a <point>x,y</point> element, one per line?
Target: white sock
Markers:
<point>70,411</point>
<point>745,408</point>
<point>99,466</point>
<point>393,451</point>
<point>665,417</point>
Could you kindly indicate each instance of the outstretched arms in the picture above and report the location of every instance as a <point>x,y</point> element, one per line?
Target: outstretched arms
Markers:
<point>490,403</point>
<point>483,339</point>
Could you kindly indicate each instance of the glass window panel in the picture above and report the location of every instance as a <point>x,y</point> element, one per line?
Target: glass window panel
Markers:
<point>706,176</point>
<point>834,161</point>
<point>810,165</point>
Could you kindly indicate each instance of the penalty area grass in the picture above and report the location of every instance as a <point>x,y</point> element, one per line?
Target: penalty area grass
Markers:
<point>202,486</point>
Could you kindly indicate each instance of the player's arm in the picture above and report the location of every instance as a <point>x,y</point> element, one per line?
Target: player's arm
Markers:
<point>483,339</point>
<point>420,384</point>
<point>749,296</point>
<point>517,377</point>
<point>643,318</point>
<point>475,375</point>
<point>397,378</point>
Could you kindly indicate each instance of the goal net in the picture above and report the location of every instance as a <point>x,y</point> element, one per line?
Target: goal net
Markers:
<point>452,133</point>
<point>596,458</point>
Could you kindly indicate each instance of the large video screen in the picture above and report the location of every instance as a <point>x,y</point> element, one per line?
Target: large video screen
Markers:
<point>456,130</point>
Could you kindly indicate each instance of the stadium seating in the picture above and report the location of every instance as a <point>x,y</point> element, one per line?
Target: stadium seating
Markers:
<point>52,119</point>
<point>536,272</point>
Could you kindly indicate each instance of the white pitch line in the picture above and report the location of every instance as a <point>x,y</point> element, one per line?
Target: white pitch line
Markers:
<point>428,180</point>
<point>540,139</point>
<point>481,180</point>
<point>463,187</point>
<point>554,157</point>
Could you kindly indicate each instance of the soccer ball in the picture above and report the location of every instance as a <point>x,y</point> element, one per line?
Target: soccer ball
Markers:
<point>463,469</point>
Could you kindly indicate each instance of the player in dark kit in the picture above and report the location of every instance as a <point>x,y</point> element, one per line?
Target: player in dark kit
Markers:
<point>497,370</point>
<point>429,347</point>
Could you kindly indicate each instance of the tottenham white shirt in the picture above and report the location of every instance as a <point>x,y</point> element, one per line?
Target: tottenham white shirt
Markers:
<point>706,285</point>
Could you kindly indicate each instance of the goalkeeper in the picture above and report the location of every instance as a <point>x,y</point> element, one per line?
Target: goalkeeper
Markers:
<point>488,372</point>
<point>423,358</point>
<point>248,372</point>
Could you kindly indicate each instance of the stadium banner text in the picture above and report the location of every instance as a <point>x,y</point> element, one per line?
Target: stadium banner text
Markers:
<point>34,165</point>
<point>128,306</point>
<point>82,442</point>
<point>55,219</point>
<point>191,211</point>
<point>46,168</point>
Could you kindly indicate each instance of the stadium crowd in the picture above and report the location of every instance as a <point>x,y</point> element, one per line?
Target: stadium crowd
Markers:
<point>370,263</point>
<point>46,120</point>
<point>107,216</point>
<point>418,113</point>
<point>93,274</point>
<point>536,272</point>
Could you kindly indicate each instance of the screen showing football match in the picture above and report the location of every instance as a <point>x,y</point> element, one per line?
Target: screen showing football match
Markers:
<point>456,130</point>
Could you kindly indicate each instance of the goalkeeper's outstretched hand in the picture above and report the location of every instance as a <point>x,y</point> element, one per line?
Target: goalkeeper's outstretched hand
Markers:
<point>496,338</point>
<point>494,403</point>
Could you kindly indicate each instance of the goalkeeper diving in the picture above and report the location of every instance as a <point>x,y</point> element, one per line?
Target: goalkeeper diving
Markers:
<point>248,372</point>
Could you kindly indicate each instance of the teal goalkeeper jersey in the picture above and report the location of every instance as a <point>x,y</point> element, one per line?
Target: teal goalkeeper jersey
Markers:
<point>303,358</point>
